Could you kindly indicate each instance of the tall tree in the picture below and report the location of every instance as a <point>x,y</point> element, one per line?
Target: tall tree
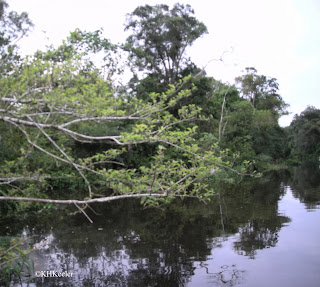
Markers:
<point>160,37</point>
<point>261,92</point>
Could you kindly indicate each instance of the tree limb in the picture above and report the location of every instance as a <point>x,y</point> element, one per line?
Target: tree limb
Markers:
<point>72,201</point>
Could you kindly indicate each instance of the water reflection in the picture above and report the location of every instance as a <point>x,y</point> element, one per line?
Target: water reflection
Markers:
<point>305,184</point>
<point>188,244</point>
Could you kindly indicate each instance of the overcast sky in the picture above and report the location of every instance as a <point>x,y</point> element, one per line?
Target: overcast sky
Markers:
<point>280,38</point>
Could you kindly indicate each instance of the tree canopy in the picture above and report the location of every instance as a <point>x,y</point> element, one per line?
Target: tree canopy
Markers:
<point>304,135</point>
<point>261,92</point>
<point>159,39</point>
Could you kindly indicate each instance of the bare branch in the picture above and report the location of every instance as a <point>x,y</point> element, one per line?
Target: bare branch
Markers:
<point>53,155</point>
<point>99,119</point>
<point>67,157</point>
<point>73,134</point>
<point>221,130</point>
<point>85,214</point>
<point>8,180</point>
<point>89,201</point>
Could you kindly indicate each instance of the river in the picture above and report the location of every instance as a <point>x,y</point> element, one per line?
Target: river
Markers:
<point>266,233</point>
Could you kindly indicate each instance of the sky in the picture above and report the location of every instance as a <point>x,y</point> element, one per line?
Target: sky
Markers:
<point>280,38</point>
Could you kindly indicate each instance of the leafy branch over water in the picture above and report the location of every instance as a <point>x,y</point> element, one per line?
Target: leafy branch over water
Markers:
<point>51,118</point>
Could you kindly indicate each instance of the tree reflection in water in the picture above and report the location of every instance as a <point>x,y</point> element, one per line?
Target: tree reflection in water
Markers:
<point>305,184</point>
<point>131,246</point>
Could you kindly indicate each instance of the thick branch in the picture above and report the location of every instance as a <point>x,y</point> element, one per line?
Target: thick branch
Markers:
<point>67,157</point>
<point>222,114</point>
<point>72,201</point>
<point>71,133</point>
<point>53,155</point>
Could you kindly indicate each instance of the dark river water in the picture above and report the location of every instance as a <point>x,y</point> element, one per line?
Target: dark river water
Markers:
<point>266,233</point>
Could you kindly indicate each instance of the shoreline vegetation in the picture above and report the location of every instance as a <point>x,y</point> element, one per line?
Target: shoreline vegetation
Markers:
<point>171,131</point>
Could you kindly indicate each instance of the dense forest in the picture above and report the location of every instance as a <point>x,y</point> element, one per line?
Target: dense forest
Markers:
<point>72,133</point>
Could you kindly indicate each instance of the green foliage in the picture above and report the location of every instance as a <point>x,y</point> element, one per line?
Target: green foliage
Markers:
<point>66,126</point>
<point>160,37</point>
<point>13,26</point>
<point>14,263</point>
<point>248,124</point>
<point>57,105</point>
<point>261,92</point>
<point>304,135</point>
